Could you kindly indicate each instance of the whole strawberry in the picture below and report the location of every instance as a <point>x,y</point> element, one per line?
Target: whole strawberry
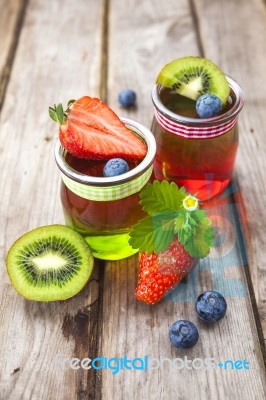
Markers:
<point>171,239</point>
<point>160,273</point>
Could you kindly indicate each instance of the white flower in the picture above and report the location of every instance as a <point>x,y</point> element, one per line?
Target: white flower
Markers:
<point>190,203</point>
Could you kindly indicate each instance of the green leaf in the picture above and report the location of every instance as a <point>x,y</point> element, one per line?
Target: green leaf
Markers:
<point>184,225</point>
<point>194,232</point>
<point>197,215</point>
<point>153,233</point>
<point>69,104</point>
<point>199,244</point>
<point>180,220</point>
<point>60,113</point>
<point>167,217</point>
<point>53,114</point>
<point>162,196</point>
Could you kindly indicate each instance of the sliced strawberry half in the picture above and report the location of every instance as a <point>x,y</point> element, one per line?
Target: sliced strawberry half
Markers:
<point>90,129</point>
<point>160,273</point>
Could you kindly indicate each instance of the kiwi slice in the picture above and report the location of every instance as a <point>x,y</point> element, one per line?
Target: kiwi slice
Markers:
<point>49,263</point>
<point>193,76</point>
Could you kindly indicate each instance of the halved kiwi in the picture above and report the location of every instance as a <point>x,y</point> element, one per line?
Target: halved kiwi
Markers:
<point>193,76</point>
<point>49,263</point>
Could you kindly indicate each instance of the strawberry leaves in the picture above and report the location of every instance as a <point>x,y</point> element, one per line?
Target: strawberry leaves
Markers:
<point>202,239</point>
<point>170,214</point>
<point>58,114</point>
<point>153,233</point>
<point>194,231</point>
<point>162,197</point>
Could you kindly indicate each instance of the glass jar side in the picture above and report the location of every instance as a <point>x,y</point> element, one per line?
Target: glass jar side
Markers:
<point>196,153</point>
<point>105,221</point>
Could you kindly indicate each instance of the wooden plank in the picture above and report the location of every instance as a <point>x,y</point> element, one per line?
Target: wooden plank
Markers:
<point>142,40</point>
<point>58,58</point>
<point>72,328</point>
<point>235,44</point>
<point>11,17</point>
<point>136,330</point>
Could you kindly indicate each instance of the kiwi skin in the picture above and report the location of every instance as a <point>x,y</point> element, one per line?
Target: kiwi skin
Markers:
<point>194,76</point>
<point>76,276</point>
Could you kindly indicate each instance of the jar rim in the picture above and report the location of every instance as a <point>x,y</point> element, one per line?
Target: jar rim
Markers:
<point>136,127</point>
<point>220,119</point>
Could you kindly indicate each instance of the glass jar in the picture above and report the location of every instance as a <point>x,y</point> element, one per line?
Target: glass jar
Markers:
<point>103,209</point>
<point>196,153</point>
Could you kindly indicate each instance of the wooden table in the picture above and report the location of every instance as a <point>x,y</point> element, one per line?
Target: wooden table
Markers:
<point>55,50</point>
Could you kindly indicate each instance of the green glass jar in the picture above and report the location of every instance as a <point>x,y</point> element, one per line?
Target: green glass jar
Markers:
<point>103,209</point>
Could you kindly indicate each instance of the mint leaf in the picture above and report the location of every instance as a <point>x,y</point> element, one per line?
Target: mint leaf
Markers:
<point>162,196</point>
<point>199,244</point>
<point>153,233</point>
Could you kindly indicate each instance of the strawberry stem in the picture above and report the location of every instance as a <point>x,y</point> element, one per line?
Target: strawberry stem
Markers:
<point>58,114</point>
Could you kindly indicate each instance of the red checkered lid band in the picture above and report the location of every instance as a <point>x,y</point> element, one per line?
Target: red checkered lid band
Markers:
<point>193,132</point>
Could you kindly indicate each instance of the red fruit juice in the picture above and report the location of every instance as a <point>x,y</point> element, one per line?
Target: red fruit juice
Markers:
<point>88,216</point>
<point>197,154</point>
<point>103,209</point>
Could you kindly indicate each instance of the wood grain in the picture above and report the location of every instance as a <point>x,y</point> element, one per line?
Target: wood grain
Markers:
<point>135,329</point>
<point>66,49</point>
<point>58,58</point>
<point>142,39</point>
<point>11,19</point>
<point>238,45</point>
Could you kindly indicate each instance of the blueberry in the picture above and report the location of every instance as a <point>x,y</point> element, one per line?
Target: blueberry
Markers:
<point>208,105</point>
<point>127,97</point>
<point>211,306</point>
<point>115,166</point>
<point>183,334</point>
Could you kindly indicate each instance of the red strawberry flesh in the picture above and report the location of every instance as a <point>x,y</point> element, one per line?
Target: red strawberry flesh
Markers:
<point>94,131</point>
<point>160,273</point>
